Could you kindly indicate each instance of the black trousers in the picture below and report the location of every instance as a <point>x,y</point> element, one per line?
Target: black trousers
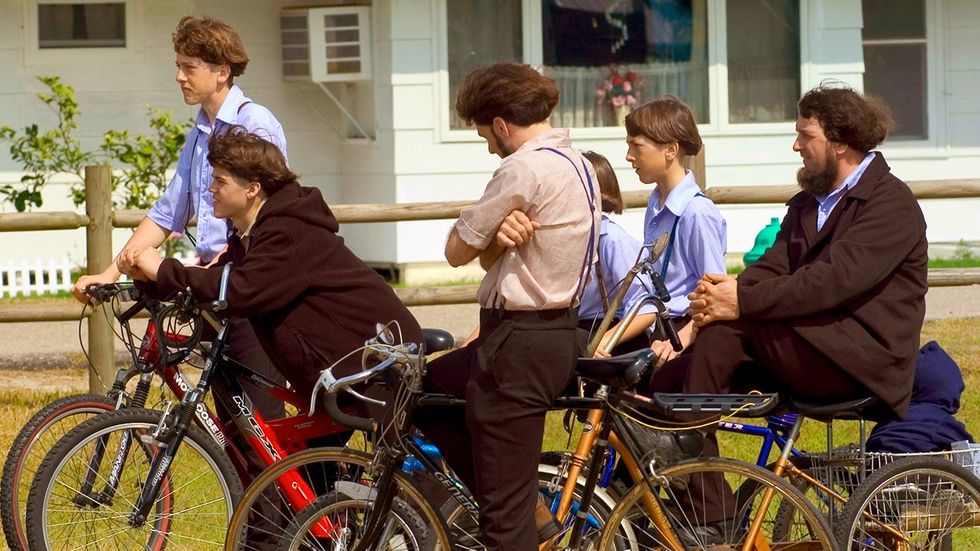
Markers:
<point>510,376</point>
<point>744,355</point>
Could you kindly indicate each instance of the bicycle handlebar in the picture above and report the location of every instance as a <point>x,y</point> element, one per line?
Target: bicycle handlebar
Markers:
<point>333,386</point>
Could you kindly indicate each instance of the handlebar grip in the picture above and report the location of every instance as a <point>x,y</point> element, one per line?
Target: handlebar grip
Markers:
<point>659,288</point>
<point>353,421</point>
<point>675,340</point>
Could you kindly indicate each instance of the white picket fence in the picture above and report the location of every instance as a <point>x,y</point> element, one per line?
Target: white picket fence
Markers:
<point>24,277</point>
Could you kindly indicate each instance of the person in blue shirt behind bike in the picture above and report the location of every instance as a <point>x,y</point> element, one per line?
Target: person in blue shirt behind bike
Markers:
<point>209,56</point>
<point>661,134</point>
<point>618,253</point>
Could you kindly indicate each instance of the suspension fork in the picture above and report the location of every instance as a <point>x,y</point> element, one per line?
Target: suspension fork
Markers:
<point>387,486</point>
<point>84,495</point>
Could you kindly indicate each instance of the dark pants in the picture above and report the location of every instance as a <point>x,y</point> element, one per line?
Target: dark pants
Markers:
<point>743,355</point>
<point>510,376</point>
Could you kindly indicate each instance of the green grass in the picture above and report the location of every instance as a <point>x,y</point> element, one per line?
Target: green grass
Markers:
<point>958,337</point>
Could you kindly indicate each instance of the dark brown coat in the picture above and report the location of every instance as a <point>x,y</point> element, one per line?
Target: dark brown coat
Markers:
<point>305,293</point>
<point>856,289</point>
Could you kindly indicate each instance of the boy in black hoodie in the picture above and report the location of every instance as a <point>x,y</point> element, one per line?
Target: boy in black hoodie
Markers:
<point>308,297</point>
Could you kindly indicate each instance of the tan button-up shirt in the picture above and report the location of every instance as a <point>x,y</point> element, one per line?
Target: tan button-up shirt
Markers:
<point>544,273</point>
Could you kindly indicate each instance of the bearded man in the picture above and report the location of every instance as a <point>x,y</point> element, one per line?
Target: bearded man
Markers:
<point>833,310</point>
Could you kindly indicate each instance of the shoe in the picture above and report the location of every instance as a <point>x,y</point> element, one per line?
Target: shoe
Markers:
<point>662,448</point>
<point>548,526</point>
<point>708,534</point>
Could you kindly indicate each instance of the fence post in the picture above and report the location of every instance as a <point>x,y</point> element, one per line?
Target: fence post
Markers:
<point>98,242</point>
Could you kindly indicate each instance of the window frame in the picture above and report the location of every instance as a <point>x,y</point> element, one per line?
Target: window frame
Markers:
<point>718,124</point>
<point>935,104</point>
<point>35,55</point>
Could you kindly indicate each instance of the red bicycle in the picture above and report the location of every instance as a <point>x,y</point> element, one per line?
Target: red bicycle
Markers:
<point>140,477</point>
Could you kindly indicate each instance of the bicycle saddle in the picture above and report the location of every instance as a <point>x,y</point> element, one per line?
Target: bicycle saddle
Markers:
<point>620,371</point>
<point>851,409</point>
<point>437,340</point>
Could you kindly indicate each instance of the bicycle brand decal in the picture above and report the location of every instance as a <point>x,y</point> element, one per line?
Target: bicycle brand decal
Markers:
<point>202,412</point>
<point>457,493</point>
<point>256,429</point>
<point>587,426</point>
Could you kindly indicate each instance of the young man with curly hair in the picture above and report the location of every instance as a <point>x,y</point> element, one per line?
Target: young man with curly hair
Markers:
<point>535,232</point>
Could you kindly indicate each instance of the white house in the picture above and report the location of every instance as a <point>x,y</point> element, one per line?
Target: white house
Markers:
<point>365,91</point>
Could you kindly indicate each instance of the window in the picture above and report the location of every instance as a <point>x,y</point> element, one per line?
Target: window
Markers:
<point>480,32</point>
<point>894,39</point>
<point>589,46</point>
<point>742,68</point>
<point>763,60</point>
<point>81,25</point>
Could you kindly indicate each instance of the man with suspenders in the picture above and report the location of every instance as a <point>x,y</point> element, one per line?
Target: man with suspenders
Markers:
<point>209,55</point>
<point>535,232</point>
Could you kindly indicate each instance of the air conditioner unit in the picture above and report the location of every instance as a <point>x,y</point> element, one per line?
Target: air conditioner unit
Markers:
<point>326,44</point>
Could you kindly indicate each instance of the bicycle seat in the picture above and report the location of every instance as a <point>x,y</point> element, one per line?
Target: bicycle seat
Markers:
<point>437,340</point>
<point>619,371</point>
<point>825,411</point>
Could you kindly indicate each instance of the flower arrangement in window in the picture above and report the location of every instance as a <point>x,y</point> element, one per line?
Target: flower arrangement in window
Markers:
<point>620,90</point>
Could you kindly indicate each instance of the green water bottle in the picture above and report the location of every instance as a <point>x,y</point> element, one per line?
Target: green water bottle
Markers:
<point>763,240</point>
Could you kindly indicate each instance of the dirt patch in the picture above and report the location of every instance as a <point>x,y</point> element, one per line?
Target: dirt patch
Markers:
<point>46,380</point>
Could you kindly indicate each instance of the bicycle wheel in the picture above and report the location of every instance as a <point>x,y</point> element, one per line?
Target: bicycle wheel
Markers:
<point>29,447</point>
<point>839,476</point>
<point>464,527</point>
<point>85,489</point>
<point>721,526</point>
<point>342,482</point>
<point>917,503</point>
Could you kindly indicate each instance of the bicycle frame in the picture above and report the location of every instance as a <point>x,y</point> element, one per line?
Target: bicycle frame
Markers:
<point>270,440</point>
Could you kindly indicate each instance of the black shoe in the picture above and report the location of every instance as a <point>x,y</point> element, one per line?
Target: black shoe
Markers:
<point>663,448</point>
<point>707,534</point>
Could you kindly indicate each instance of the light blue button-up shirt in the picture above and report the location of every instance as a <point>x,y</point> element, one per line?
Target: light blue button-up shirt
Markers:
<point>699,246</point>
<point>826,203</point>
<point>618,252</point>
<point>187,195</point>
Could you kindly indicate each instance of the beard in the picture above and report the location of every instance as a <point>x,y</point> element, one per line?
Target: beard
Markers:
<point>819,181</point>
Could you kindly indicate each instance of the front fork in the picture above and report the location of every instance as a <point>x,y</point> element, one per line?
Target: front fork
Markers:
<point>166,439</point>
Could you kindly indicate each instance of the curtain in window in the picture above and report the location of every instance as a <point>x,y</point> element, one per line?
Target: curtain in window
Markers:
<point>590,46</point>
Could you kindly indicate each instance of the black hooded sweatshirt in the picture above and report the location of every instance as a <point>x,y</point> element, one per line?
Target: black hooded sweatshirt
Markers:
<point>309,298</point>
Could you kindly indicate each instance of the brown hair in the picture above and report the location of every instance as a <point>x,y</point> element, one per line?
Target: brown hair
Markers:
<point>861,122</point>
<point>612,199</point>
<point>248,156</point>
<point>212,41</point>
<point>512,91</point>
<point>665,120</point>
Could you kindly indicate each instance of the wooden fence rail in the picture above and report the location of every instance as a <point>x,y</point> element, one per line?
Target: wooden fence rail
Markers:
<point>99,220</point>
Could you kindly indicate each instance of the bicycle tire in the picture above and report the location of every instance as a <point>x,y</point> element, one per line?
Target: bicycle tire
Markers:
<point>675,490</point>
<point>202,474</point>
<point>464,529</point>
<point>782,522</point>
<point>28,449</point>
<point>330,467</point>
<point>405,531</point>
<point>929,500</point>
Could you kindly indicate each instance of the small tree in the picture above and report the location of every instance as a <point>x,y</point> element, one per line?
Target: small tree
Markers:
<point>45,154</point>
<point>146,158</point>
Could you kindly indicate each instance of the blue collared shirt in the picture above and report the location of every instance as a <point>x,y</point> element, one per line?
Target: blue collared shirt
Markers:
<point>187,195</point>
<point>700,243</point>
<point>618,252</point>
<point>826,203</point>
